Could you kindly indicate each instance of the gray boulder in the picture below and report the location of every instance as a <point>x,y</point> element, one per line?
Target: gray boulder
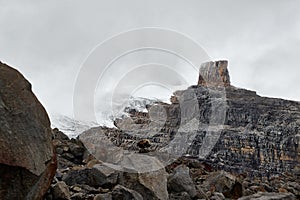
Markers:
<point>61,191</point>
<point>110,174</point>
<point>121,192</point>
<point>151,185</point>
<point>91,177</point>
<point>180,181</point>
<point>225,183</point>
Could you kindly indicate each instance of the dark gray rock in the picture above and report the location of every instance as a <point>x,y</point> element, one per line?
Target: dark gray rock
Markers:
<point>69,152</point>
<point>180,181</point>
<point>112,176</point>
<point>151,185</point>
<point>225,183</point>
<point>121,192</point>
<point>106,196</point>
<point>57,134</point>
<point>61,191</point>
<point>68,156</point>
<point>91,177</point>
<point>76,150</point>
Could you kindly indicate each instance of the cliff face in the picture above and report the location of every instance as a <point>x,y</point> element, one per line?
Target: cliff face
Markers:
<point>235,129</point>
<point>259,133</point>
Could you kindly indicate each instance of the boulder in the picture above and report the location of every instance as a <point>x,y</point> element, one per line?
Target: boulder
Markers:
<point>121,192</point>
<point>180,181</point>
<point>151,185</point>
<point>155,181</point>
<point>99,175</point>
<point>57,134</point>
<point>110,174</point>
<point>61,191</point>
<point>225,183</point>
<point>27,161</point>
<point>106,196</point>
<point>91,177</point>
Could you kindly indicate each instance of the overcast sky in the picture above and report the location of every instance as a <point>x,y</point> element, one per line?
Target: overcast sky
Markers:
<point>48,41</point>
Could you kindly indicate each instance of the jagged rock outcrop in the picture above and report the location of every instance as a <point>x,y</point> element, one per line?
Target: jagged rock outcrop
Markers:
<point>214,74</point>
<point>27,161</point>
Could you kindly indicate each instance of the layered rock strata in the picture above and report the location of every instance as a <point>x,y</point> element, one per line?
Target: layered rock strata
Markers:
<point>235,129</point>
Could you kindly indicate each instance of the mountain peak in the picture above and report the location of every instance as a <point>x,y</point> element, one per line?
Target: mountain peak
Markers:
<point>214,74</point>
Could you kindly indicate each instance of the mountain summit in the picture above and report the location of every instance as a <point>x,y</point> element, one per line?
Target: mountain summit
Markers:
<point>214,74</point>
<point>233,128</point>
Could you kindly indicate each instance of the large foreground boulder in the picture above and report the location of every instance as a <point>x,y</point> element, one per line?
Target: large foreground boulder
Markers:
<point>27,161</point>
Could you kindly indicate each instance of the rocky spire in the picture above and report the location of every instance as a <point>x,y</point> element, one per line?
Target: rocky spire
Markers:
<point>214,74</point>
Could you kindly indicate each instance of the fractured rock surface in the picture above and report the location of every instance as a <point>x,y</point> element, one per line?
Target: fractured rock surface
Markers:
<point>27,161</point>
<point>228,128</point>
<point>234,128</point>
<point>214,74</point>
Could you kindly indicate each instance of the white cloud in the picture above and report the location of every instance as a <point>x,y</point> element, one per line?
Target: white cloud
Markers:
<point>48,41</point>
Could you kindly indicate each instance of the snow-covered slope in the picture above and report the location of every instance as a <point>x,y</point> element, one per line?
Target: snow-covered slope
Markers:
<point>73,127</point>
<point>70,126</point>
<point>140,103</point>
